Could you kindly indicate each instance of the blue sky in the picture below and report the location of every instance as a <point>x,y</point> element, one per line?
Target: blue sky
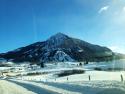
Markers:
<point>23,22</point>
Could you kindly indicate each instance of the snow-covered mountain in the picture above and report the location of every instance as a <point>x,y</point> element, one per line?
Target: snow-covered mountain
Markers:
<point>59,47</point>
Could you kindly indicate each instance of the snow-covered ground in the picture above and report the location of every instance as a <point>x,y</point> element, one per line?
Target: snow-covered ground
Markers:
<point>92,87</point>
<point>94,75</point>
<point>101,82</point>
<point>114,65</point>
<point>4,68</point>
<point>51,89</point>
<point>90,82</point>
<point>11,88</point>
<point>79,87</point>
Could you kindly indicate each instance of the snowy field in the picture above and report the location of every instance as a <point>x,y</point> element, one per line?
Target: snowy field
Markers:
<point>86,87</point>
<point>94,76</point>
<point>63,87</point>
<point>89,82</point>
<point>101,82</point>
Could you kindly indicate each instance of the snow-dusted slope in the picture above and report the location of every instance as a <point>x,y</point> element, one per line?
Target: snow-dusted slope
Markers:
<point>62,56</point>
<point>59,47</point>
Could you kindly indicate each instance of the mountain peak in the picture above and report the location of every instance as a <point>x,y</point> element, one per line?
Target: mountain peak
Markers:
<point>57,39</point>
<point>59,35</point>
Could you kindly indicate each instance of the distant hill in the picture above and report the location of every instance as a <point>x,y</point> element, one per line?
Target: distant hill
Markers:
<point>60,48</point>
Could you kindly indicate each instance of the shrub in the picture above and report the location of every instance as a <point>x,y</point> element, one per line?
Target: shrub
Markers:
<point>35,73</point>
<point>97,68</point>
<point>70,72</point>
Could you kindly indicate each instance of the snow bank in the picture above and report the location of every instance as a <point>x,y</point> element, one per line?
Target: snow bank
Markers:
<point>50,88</point>
<point>11,88</point>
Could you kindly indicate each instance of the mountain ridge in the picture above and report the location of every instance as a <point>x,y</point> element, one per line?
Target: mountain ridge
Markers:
<point>59,48</point>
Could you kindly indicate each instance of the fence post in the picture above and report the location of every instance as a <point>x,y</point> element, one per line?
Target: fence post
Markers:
<point>67,78</point>
<point>122,78</point>
<point>89,78</point>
